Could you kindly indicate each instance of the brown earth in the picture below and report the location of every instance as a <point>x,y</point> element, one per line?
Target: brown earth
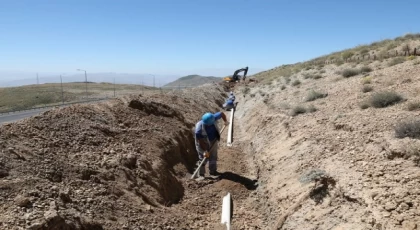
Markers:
<point>124,164</point>
<point>374,176</point>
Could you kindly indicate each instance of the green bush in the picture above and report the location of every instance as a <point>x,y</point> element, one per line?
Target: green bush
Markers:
<point>313,95</point>
<point>396,61</point>
<point>409,128</point>
<point>298,110</point>
<point>349,73</point>
<point>296,82</point>
<point>367,88</point>
<point>385,99</point>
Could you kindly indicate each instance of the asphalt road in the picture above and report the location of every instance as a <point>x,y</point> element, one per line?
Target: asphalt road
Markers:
<point>7,118</point>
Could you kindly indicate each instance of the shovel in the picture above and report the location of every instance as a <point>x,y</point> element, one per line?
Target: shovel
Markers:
<point>205,159</point>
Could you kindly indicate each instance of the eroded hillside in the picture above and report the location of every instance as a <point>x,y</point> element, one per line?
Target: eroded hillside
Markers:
<point>337,150</point>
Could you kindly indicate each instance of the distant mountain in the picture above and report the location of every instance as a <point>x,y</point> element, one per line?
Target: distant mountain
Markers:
<point>192,81</point>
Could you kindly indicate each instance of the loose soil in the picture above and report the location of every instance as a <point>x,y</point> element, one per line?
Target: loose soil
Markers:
<point>123,164</point>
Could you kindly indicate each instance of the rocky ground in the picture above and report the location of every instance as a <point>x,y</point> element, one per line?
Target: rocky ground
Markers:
<point>123,164</point>
<point>371,176</point>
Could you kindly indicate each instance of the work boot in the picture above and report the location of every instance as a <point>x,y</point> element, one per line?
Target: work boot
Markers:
<point>214,174</point>
<point>200,177</point>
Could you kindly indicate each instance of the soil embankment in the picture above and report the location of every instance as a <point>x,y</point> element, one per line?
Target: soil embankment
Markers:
<point>123,164</point>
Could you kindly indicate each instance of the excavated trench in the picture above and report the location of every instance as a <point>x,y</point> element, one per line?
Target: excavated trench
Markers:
<point>120,164</point>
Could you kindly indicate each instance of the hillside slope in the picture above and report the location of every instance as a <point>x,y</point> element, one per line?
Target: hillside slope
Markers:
<point>192,81</point>
<point>337,145</point>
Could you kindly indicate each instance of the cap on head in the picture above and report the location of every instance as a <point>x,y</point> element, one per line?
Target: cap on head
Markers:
<point>231,93</point>
<point>208,119</point>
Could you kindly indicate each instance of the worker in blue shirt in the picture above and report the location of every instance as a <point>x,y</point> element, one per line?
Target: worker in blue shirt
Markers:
<point>230,102</point>
<point>231,96</point>
<point>207,134</point>
<point>228,105</point>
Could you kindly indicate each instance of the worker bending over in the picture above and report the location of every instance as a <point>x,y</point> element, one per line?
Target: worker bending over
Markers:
<point>207,135</point>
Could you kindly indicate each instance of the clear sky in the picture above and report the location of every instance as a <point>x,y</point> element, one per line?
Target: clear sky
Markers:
<point>189,36</point>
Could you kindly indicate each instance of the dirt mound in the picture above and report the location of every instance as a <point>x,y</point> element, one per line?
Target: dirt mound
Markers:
<point>103,165</point>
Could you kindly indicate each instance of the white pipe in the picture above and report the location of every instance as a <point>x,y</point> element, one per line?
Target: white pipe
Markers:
<point>226,211</point>
<point>229,139</point>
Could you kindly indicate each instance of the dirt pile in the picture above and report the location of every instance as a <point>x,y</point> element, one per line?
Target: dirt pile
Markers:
<point>114,165</point>
<point>375,175</point>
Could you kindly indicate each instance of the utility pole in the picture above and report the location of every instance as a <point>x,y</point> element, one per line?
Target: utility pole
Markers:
<point>153,79</point>
<point>62,91</point>
<point>37,79</point>
<point>114,86</point>
<point>85,82</point>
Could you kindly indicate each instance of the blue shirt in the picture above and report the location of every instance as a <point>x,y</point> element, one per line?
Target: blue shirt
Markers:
<point>210,129</point>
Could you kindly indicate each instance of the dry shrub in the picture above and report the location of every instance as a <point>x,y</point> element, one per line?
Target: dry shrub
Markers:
<point>313,95</point>
<point>412,106</point>
<point>246,90</point>
<point>346,55</point>
<point>364,105</point>
<point>312,109</point>
<point>298,110</point>
<point>339,62</point>
<point>396,61</point>
<point>385,99</point>
<point>365,69</point>
<point>366,80</point>
<point>405,48</point>
<point>410,58</point>
<point>409,128</point>
<point>296,82</point>
<point>367,88</point>
<point>349,73</point>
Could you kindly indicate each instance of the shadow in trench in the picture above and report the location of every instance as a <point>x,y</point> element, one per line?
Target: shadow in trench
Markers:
<point>248,183</point>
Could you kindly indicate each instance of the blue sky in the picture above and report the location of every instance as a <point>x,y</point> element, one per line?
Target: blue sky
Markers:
<point>178,37</point>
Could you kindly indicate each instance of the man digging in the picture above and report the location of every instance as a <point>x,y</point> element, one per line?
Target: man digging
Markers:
<point>207,136</point>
